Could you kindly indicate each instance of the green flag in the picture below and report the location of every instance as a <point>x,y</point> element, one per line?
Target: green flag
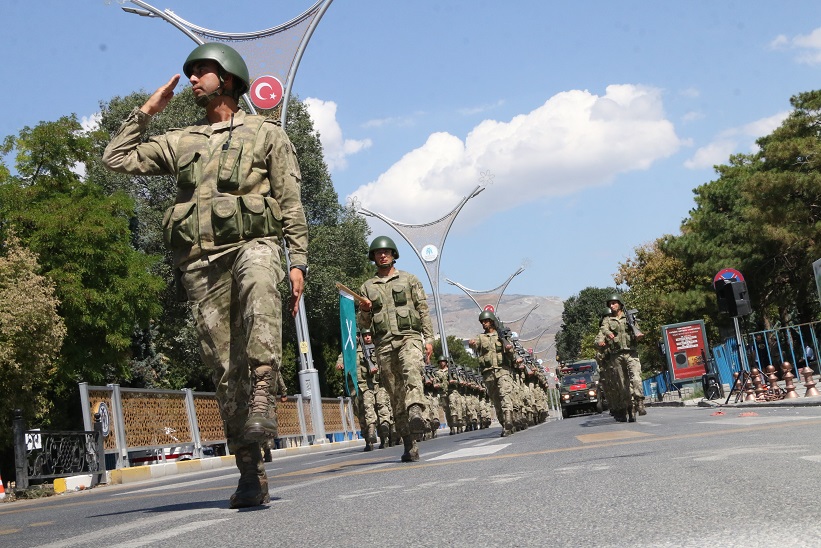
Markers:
<point>347,324</point>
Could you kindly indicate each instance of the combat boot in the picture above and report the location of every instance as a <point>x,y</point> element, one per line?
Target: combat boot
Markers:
<point>411,453</point>
<point>371,435</point>
<point>452,430</point>
<point>620,415</point>
<point>252,489</point>
<point>631,412</point>
<point>641,409</point>
<point>262,422</point>
<point>507,424</point>
<point>416,420</point>
<point>384,431</point>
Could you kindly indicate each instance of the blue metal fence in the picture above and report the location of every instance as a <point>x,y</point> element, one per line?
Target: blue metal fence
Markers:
<point>796,344</point>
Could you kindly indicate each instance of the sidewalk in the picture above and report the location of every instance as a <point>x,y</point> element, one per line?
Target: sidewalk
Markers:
<point>801,401</point>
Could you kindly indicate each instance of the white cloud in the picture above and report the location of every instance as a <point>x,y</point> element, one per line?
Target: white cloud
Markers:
<point>733,141</point>
<point>469,111</point>
<point>336,148</point>
<point>92,122</point>
<point>808,46</point>
<point>574,141</point>
<point>396,121</point>
<point>692,116</point>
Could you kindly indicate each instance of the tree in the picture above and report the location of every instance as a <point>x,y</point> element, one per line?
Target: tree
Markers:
<point>580,318</point>
<point>83,240</point>
<point>664,291</point>
<point>31,335</point>
<point>457,352</point>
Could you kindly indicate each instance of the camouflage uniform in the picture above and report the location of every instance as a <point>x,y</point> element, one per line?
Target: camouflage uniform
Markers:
<point>401,326</point>
<point>624,365</point>
<point>496,363</point>
<point>238,196</point>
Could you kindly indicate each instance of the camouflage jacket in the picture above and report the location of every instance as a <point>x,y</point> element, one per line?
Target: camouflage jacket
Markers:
<point>618,327</point>
<point>400,309</point>
<point>237,180</point>
<point>491,352</point>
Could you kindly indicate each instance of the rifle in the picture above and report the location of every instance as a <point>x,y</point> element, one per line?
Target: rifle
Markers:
<point>367,352</point>
<point>633,322</point>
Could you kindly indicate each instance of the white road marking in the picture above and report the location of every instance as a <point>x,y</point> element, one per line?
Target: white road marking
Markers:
<point>732,453</point>
<point>585,468</point>
<point>147,540</point>
<point>145,524</point>
<point>471,452</point>
<point>180,485</point>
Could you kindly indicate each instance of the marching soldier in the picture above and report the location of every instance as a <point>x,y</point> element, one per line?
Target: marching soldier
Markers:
<point>395,307</point>
<point>496,359</point>
<point>619,335</point>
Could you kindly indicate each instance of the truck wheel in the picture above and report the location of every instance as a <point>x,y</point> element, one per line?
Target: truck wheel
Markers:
<point>565,414</point>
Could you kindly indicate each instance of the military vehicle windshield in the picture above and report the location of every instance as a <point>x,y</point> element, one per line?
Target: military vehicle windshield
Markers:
<point>570,380</point>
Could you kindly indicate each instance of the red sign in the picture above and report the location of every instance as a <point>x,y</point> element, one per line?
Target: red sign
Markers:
<point>728,275</point>
<point>686,349</point>
<point>266,92</point>
<point>489,308</point>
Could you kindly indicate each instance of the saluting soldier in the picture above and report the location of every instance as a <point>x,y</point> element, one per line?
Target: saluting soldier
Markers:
<point>238,198</point>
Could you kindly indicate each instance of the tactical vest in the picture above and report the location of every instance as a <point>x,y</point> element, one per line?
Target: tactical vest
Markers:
<point>218,199</point>
<point>393,307</point>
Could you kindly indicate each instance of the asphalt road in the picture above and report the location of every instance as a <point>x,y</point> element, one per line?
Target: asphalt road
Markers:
<point>685,476</point>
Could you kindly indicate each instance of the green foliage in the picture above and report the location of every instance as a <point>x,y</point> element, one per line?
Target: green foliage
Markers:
<point>761,216</point>
<point>580,321</point>
<point>457,352</point>
<point>83,240</point>
<point>31,335</point>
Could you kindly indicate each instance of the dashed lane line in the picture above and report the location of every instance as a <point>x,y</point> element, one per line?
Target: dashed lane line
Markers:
<point>471,452</point>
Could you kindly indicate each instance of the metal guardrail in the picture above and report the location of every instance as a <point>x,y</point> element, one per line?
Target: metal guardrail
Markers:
<point>142,420</point>
<point>41,454</point>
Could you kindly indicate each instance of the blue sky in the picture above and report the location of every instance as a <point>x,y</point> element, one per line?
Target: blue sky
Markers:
<point>594,120</point>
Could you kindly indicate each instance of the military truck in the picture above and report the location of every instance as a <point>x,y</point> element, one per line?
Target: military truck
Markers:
<point>579,388</point>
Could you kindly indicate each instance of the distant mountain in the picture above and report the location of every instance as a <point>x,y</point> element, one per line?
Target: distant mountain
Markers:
<point>461,317</point>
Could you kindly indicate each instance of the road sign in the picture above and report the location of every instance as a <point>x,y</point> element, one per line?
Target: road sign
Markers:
<point>728,275</point>
<point>266,92</point>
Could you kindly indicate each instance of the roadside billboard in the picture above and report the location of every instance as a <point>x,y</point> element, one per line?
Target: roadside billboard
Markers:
<point>687,349</point>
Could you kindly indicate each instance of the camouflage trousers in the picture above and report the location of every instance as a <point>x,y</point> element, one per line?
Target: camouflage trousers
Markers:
<point>499,386</point>
<point>626,376</point>
<point>372,406</point>
<point>238,315</point>
<point>456,407</point>
<point>400,370</point>
<point>433,407</point>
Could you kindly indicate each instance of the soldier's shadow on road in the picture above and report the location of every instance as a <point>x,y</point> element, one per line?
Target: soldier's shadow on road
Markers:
<point>597,421</point>
<point>220,504</point>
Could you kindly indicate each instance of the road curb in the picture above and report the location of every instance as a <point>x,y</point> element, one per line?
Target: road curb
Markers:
<point>147,472</point>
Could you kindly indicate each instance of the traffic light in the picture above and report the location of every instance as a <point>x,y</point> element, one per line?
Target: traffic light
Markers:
<point>733,298</point>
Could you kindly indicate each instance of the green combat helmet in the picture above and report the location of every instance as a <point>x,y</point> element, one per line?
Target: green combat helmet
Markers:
<point>441,358</point>
<point>229,61</point>
<point>383,242</point>
<point>487,315</point>
<point>616,298</point>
